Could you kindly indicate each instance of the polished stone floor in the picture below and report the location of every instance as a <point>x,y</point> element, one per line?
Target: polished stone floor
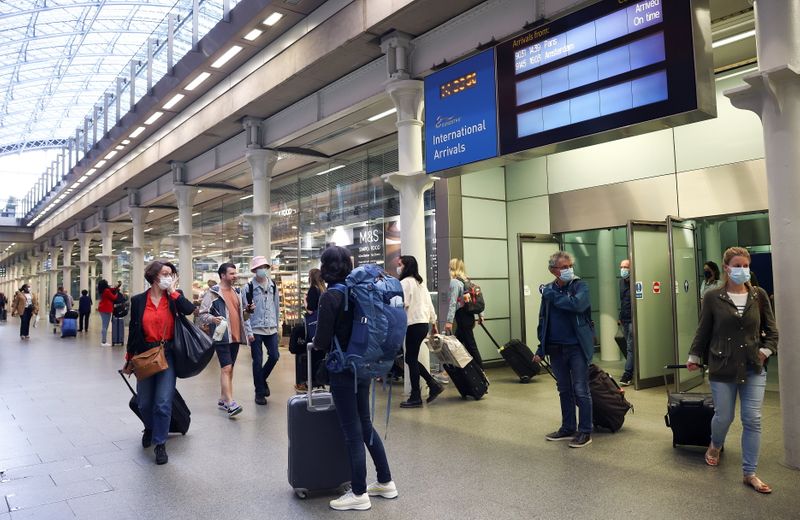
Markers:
<point>70,448</point>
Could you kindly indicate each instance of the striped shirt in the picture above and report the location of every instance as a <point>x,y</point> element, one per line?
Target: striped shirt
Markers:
<point>740,300</point>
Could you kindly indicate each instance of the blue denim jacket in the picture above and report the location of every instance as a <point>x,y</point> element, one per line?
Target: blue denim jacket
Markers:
<point>267,305</point>
<point>576,300</point>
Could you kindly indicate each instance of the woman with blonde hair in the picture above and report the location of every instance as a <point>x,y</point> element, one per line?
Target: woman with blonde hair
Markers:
<point>737,333</point>
<point>456,313</point>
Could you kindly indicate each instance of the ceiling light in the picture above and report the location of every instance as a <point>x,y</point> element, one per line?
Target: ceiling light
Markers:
<point>148,229</point>
<point>382,115</point>
<point>80,180</point>
<point>110,155</point>
<point>196,81</point>
<point>246,197</point>
<point>85,177</point>
<point>273,19</point>
<point>137,132</point>
<point>225,58</point>
<point>175,219</point>
<point>126,141</point>
<point>91,171</point>
<point>252,35</point>
<point>100,164</point>
<point>195,214</point>
<point>734,38</point>
<point>331,169</point>
<point>173,101</point>
<point>152,119</point>
<point>151,211</point>
<point>119,147</point>
<point>199,191</point>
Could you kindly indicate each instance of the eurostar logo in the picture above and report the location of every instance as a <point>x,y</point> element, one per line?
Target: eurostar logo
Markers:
<point>443,121</point>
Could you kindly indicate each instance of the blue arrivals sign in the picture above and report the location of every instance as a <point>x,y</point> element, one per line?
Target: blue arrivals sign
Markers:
<point>461,113</point>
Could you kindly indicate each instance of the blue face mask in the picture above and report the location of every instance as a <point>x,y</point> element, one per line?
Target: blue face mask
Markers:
<point>262,273</point>
<point>739,275</point>
<point>624,272</point>
<point>566,275</point>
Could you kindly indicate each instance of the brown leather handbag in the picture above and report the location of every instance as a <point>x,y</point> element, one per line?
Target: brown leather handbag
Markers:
<point>149,362</point>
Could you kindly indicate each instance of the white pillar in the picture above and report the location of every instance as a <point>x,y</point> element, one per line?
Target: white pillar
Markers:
<point>713,243</point>
<point>38,278</point>
<point>107,256</point>
<point>138,217</point>
<point>261,164</point>
<point>773,93</point>
<point>608,285</point>
<point>410,181</point>
<point>84,242</point>
<point>93,278</point>
<point>185,194</point>
<point>66,269</point>
<point>53,272</point>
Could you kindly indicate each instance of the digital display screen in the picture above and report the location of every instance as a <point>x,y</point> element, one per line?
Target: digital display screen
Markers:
<point>459,84</point>
<point>589,35</point>
<point>613,64</point>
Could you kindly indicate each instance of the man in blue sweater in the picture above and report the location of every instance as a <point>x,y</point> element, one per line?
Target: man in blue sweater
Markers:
<point>566,335</point>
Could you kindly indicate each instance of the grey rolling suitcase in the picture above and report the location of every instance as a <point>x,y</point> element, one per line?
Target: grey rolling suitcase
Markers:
<point>117,331</point>
<point>318,458</point>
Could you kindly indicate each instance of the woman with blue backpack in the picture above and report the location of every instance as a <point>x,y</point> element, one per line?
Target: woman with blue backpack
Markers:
<point>351,394</point>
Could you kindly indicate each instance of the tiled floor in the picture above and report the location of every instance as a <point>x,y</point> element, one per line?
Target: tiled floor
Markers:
<point>70,448</point>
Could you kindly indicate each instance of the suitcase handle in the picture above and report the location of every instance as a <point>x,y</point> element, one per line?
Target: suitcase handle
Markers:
<point>674,367</point>
<point>326,402</point>
<point>122,375</point>
<point>497,345</point>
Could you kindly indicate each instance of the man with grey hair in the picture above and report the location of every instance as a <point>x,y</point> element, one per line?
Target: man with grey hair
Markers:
<point>566,335</point>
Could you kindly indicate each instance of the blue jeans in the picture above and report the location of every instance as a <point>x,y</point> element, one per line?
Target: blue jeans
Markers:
<point>261,373</point>
<point>572,381</point>
<point>155,401</point>
<point>627,331</point>
<point>352,407</point>
<point>751,396</point>
<point>105,318</point>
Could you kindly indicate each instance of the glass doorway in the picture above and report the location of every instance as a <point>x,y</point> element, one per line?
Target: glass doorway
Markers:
<point>534,252</point>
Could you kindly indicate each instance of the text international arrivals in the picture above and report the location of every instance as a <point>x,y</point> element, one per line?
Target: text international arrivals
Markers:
<point>456,134</point>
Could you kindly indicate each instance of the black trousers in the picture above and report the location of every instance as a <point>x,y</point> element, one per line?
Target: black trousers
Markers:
<point>25,324</point>
<point>465,323</point>
<point>83,321</point>
<point>414,335</point>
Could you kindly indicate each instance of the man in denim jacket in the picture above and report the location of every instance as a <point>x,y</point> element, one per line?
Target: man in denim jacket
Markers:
<point>263,306</point>
<point>566,335</point>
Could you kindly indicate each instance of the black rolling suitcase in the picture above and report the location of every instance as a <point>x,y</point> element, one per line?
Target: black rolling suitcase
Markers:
<point>318,458</point>
<point>689,416</point>
<point>117,331</point>
<point>470,381</point>
<point>181,415</point>
<point>518,356</point>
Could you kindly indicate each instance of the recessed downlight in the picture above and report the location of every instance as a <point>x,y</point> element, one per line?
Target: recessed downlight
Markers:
<point>273,19</point>
<point>173,101</point>
<point>252,35</point>
<point>226,57</point>
<point>197,81</point>
<point>153,118</point>
<point>138,132</point>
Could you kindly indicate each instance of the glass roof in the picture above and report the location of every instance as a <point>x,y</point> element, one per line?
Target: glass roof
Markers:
<point>59,57</point>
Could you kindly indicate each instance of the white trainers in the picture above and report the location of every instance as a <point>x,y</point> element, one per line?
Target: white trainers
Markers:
<point>377,489</point>
<point>350,501</point>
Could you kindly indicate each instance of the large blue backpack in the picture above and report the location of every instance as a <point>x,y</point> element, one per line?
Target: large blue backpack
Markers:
<point>379,323</point>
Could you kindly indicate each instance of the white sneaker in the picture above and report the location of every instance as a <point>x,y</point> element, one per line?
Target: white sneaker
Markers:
<point>105,344</point>
<point>388,490</point>
<point>350,501</point>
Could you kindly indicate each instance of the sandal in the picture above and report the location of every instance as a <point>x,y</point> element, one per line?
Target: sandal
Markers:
<point>757,484</point>
<point>712,455</point>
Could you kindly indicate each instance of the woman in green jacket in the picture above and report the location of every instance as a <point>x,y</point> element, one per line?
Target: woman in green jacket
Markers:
<point>737,334</point>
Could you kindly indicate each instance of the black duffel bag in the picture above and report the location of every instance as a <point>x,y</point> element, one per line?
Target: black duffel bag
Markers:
<point>192,348</point>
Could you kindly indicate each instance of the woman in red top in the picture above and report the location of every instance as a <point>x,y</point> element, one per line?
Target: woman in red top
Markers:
<point>106,306</point>
<point>153,323</point>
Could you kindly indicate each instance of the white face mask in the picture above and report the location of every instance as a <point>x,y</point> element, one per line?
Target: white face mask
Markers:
<point>164,282</point>
<point>399,270</point>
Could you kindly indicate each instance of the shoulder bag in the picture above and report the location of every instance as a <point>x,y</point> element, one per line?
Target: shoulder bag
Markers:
<point>192,348</point>
<point>151,361</point>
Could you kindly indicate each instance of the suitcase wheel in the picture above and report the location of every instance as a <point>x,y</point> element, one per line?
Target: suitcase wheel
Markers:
<point>301,493</point>
<point>524,380</point>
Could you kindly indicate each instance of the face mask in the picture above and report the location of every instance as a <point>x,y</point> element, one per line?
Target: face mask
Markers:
<point>707,274</point>
<point>624,272</point>
<point>566,275</point>
<point>262,273</point>
<point>740,275</point>
<point>399,270</point>
<point>164,282</point>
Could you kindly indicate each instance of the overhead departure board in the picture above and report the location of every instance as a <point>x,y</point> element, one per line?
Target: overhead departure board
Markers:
<point>611,65</point>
